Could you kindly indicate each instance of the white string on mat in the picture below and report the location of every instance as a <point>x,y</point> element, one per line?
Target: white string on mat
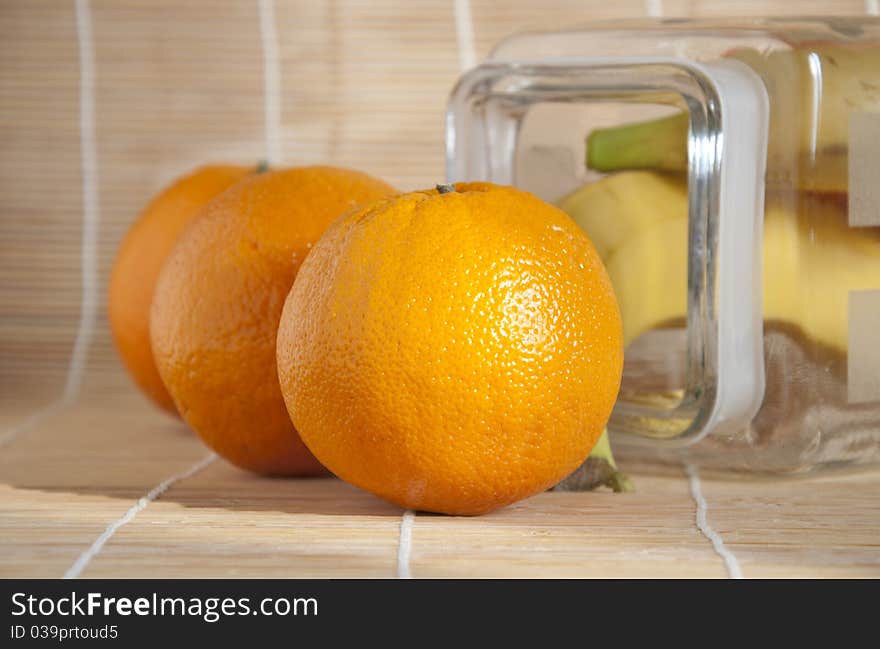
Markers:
<point>464,30</point>
<point>654,9</point>
<point>89,242</point>
<point>271,81</point>
<point>33,421</point>
<point>404,545</point>
<point>730,561</point>
<point>91,208</point>
<point>79,565</point>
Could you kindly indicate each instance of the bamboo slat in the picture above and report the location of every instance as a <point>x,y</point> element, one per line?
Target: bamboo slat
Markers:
<point>68,478</point>
<point>363,84</point>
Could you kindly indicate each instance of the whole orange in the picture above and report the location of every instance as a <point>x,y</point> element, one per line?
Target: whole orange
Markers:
<point>219,299</point>
<point>140,257</point>
<point>452,352</point>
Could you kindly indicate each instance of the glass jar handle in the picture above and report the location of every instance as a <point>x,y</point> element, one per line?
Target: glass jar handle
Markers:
<point>727,149</point>
<point>739,220</point>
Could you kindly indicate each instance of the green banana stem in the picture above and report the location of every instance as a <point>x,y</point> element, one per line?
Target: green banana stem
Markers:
<point>659,144</point>
<point>598,470</point>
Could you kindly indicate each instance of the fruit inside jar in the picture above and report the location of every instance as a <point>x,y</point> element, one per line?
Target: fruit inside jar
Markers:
<point>820,257</point>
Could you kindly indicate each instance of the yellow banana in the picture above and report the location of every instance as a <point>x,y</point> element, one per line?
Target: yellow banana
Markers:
<point>613,212</point>
<point>637,220</point>
<point>812,259</point>
<point>635,199</point>
<point>649,274</point>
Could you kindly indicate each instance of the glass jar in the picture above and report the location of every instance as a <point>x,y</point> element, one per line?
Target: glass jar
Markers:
<point>728,172</point>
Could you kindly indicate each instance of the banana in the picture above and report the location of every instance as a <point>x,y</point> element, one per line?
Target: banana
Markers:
<point>659,144</point>
<point>649,275</point>
<point>638,221</point>
<point>599,470</point>
<point>813,88</point>
<point>613,212</point>
<point>812,259</point>
<point>636,199</point>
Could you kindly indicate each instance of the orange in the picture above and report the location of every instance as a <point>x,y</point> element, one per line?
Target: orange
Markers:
<point>219,299</point>
<point>452,352</point>
<point>139,259</point>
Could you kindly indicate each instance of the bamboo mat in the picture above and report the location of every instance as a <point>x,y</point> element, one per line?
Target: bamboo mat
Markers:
<point>361,84</point>
<point>71,476</point>
<point>176,84</point>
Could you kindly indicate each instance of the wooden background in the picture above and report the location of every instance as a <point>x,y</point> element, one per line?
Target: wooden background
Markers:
<point>362,84</point>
